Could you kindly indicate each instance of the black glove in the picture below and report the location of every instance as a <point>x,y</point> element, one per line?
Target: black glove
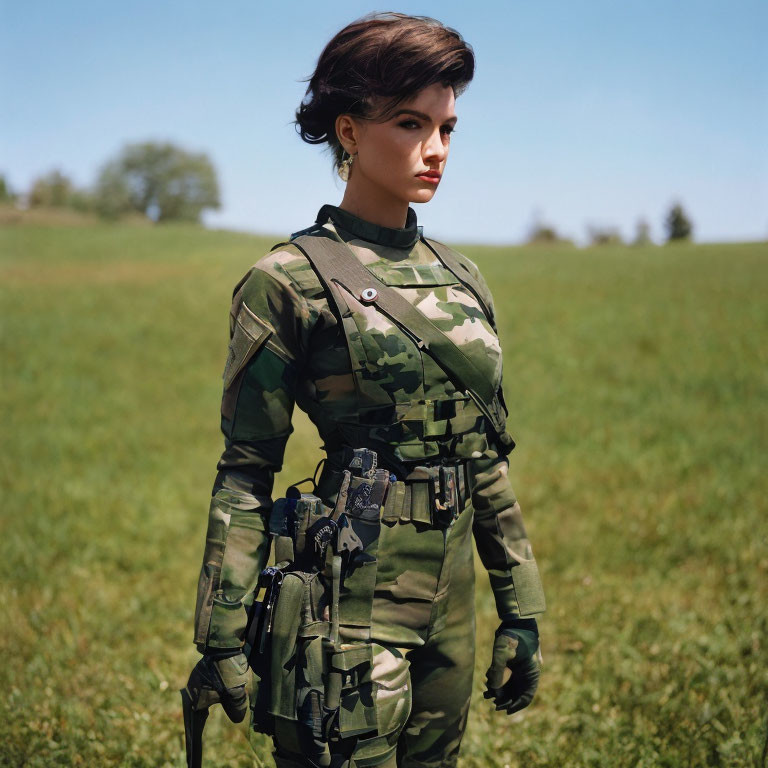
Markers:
<point>515,649</point>
<point>221,679</point>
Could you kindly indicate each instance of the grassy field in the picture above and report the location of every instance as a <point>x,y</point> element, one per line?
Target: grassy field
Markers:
<point>636,380</point>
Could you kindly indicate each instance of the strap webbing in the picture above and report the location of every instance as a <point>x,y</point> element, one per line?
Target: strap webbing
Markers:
<point>455,265</point>
<point>336,263</point>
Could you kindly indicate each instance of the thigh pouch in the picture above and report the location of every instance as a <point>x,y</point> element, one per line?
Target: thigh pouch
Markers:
<point>308,690</point>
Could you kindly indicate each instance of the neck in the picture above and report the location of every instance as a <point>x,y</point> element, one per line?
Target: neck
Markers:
<point>375,206</point>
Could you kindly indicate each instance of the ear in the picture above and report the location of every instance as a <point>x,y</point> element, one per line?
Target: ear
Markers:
<point>348,132</point>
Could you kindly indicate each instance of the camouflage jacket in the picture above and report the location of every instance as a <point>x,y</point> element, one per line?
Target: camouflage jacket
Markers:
<point>289,346</point>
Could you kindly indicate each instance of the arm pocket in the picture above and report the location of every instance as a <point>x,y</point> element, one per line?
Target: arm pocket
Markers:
<point>530,593</point>
<point>248,335</point>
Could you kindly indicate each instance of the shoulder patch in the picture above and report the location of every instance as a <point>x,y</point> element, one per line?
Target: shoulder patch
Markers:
<point>249,334</point>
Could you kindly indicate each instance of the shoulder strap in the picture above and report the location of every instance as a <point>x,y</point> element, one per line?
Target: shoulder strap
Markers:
<point>446,255</point>
<point>336,264</point>
<point>451,260</point>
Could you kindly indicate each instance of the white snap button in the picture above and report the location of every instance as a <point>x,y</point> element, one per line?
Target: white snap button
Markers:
<point>369,294</point>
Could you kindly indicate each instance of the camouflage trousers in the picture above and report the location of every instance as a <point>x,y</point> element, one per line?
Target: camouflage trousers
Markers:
<point>422,631</point>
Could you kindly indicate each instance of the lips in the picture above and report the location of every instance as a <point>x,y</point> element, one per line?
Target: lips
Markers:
<point>430,177</point>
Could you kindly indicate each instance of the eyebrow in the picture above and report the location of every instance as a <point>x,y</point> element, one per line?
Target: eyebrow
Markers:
<point>421,115</point>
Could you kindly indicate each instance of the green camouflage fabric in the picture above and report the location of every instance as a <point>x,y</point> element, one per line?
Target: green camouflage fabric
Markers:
<point>289,345</point>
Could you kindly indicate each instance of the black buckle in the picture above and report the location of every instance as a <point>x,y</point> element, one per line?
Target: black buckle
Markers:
<point>271,579</point>
<point>363,462</point>
<point>446,495</point>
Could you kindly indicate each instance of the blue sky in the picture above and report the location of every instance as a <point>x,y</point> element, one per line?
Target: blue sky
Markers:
<point>580,113</point>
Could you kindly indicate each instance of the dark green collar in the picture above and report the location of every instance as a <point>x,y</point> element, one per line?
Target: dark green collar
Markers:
<point>405,237</point>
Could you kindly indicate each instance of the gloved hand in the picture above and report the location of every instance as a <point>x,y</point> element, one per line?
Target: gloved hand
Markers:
<point>221,679</point>
<point>515,650</point>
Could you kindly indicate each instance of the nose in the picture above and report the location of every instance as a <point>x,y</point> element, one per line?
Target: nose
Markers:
<point>434,147</point>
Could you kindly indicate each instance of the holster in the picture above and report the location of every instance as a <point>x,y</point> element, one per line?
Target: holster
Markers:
<point>307,638</point>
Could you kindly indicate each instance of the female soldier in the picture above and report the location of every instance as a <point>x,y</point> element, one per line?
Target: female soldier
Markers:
<point>382,97</point>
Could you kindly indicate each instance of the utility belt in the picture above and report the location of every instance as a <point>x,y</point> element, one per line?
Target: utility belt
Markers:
<point>308,637</point>
<point>432,495</point>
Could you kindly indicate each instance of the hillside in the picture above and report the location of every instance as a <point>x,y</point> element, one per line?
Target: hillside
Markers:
<point>636,380</point>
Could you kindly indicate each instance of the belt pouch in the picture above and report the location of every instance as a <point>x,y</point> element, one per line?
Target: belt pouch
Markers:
<point>309,509</point>
<point>283,549</point>
<point>394,502</point>
<point>282,526</point>
<point>421,502</point>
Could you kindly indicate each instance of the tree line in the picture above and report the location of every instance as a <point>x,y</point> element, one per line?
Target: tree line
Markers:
<point>167,183</point>
<point>158,180</point>
<point>677,226</point>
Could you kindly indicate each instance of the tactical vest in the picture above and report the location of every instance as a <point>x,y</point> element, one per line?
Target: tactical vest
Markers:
<point>393,349</point>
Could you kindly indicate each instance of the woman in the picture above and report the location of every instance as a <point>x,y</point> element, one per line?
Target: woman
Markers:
<point>383,99</point>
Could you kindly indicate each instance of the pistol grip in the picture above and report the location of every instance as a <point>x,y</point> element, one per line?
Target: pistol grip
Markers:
<point>194,722</point>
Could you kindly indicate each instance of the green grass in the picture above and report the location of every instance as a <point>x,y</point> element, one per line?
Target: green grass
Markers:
<point>636,381</point>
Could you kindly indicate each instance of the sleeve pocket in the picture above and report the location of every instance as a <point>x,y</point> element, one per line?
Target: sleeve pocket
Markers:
<point>248,335</point>
<point>530,593</point>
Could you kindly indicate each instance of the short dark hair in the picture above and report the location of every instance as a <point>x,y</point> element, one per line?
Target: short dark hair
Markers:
<point>376,63</point>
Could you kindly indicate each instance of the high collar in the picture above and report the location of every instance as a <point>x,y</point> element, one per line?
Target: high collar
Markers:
<point>404,237</point>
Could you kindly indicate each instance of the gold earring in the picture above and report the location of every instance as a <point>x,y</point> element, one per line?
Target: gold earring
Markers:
<point>344,166</point>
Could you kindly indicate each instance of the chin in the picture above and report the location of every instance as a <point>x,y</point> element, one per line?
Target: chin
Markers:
<point>423,195</point>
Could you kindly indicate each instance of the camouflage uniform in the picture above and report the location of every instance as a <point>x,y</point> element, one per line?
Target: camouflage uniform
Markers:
<point>363,382</point>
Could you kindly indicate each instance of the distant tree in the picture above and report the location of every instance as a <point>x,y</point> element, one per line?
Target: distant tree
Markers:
<point>6,194</point>
<point>112,195</point>
<point>161,181</point>
<point>604,236</point>
<point>541,232</point>
<point>642,233</point>
<point>678,224</point>
<point>54,190</point>
<point>82,200</point>
<point>545,234</point>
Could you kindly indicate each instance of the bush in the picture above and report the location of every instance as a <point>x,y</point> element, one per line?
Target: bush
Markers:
<point>6,194</point>
<point>546,234</point>
<point>54,190</point>
<point>642,233</point>
<point>604,236</point>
